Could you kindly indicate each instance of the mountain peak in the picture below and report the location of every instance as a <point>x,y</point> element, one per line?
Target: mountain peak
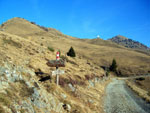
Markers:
<point>129,43</point>
<point>19,26</point>
<point>120,37</point>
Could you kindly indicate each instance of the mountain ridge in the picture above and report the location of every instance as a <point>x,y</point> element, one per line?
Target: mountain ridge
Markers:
<point>27,83</point>
<point>129,43</point>
<point>99,51</point>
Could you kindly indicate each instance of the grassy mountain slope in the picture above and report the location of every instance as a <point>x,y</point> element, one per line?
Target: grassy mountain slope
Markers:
<point>97,51</point>
<point>23,57</point>
<point>19,60</point>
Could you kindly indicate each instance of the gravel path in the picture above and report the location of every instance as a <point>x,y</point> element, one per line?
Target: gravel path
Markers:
<point>120,99</point>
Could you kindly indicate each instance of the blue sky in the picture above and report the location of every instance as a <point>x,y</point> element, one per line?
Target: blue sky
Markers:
<point>85,18</point>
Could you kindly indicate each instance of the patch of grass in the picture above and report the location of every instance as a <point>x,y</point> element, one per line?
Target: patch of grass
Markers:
<point>148,93</point>
<point>50,87</point>
<point>64,57</point>
<point>72,62</point>
<point>23,111</point>
<point>50,49</point>
<point>89,77</point>
<point>64,81</point>
<point>25,90</point>
<point>4,99</point>
<point>2,109</point>
<point>11,42</point>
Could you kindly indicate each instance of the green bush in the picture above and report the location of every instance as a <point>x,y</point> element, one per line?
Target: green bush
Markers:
<point>51,49</point>
<point>107,73</point>
<point>113,66</point>
<point>71,52</point>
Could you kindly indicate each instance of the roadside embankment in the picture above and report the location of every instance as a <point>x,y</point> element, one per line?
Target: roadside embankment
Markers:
<point>141,92</point>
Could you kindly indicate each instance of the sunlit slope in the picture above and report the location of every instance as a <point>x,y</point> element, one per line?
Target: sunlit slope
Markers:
<point>97,51</point>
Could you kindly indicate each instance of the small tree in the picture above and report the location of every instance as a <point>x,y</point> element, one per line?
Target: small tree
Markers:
<point>71,52</point>
<point>113,66</point>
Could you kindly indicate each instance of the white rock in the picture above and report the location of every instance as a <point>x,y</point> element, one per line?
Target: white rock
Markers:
<point>63,96</point>
<point>68,107</point>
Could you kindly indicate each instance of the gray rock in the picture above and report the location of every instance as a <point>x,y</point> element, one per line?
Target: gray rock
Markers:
<point>63,96</point>
<point>91,84</point>
<point>90,101</point>
<point>71,87</point>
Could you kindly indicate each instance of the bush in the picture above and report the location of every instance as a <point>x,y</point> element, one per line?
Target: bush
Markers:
<point>2,24</point>
<point>113,66</point>
<point>107,73</point>
<point>71,52</point>
<point>33,23</point>
<point>64,58</point>
<point>51,49</point>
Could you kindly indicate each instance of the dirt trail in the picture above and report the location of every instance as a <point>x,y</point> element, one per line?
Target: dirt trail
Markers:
<point>120,99</point>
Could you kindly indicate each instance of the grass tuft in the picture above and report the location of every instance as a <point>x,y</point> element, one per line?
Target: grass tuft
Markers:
<point>4,99</point>
<point>2,109</point>
<point>51,49</point>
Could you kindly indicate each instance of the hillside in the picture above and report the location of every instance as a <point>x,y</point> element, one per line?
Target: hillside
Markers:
<point>27,84</point>
<point>129,43</point>
<point>98,51</point>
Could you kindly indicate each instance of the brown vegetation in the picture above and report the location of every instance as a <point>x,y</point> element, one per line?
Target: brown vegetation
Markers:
<point>24,49</point>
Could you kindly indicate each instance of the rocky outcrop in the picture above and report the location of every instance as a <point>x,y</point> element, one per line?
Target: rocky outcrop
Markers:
<point>18,92</point>
<point>129,43</point>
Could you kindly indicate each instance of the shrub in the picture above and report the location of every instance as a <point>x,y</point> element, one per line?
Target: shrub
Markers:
<point>51,49</point>
<point>107,73</point>
<point>64,58</point>
<point>113,66</point>
<point>2,24</point>
<point>71,52</point>
<point>33,23</point>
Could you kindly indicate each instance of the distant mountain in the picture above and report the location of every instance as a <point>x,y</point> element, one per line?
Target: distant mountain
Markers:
<point>129,43</point>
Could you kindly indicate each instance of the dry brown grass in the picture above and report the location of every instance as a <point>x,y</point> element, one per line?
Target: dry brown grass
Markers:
<point>90,56</point>
<point>97,51</point>
<point>141,92</point>
<point>2,109</point>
